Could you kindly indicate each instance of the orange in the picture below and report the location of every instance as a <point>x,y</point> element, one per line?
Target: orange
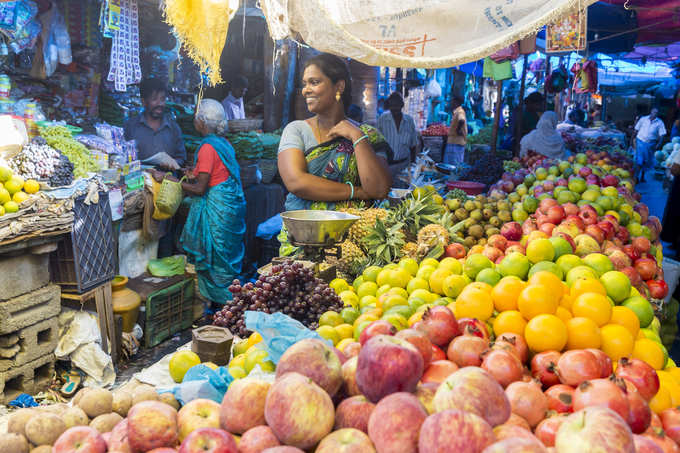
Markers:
<point>363,318</point>
<point>536,300</point>
<point>617,341</point>
<point>563,314</point>
<point>587,285</point>
<point>594,306</point>
<point>506,292</point>
<point>627,318</point>
<point>509,321</point>
<point>483,286</point>
<point>474,303</point>
<point>550,281</point>
<point>649,351</point>
<point>675,372</point>
<point>661,401</point>
<point>567,301</point>
<point>583,333</point>
<point>546,332</point>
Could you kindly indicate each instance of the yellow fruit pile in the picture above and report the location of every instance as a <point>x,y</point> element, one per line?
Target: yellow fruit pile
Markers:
<point>14,191</point>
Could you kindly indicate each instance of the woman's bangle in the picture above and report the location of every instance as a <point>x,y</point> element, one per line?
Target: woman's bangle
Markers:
<point>363,137</point>
<point>351,186</point>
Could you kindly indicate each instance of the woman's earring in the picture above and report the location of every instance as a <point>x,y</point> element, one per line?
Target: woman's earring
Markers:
<point>337,96</point>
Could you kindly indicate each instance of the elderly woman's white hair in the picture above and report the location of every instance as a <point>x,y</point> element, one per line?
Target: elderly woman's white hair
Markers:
<point>211,114</point>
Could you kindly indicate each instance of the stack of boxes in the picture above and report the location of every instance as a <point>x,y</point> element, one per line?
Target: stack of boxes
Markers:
<point>29,327</point>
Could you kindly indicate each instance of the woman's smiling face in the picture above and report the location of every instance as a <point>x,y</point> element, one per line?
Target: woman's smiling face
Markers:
<point>318,90</point>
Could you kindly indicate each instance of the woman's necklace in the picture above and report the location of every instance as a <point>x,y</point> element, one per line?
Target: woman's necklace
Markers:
<point>318,131</point>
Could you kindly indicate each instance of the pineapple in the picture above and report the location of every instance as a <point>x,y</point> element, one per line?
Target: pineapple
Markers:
<point>415,213</point>
<point>384,243</point>
<point>410,250</point>
<point>433,234</point>
<point>362,227</point>
<point>351,258</point>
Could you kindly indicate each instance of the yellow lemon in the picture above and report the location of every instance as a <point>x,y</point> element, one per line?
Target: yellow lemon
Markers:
<point>180,362</point>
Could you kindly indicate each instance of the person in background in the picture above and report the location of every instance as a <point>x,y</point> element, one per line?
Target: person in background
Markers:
<point>355,113</point>
<point>455,144</point>
<point>400,132</point>
<point>544,139</point>
<point>213,234</point>
<point>649,133</point>
<point>233,103</point>
<point>158,137</point>
<point>675,127</point>
<point>533,107</point>
<point>670,231</point>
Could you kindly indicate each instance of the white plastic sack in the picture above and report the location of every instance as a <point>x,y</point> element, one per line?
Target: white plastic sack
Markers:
<point>433,89</point>
<point>13,136</point>
<point>412,33</point>
<point>134,253</point>
<point>81,328</point>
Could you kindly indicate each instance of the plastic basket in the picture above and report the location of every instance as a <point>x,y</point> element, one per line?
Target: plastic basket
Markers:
<point>268,168</point>
<point>469,187</point>
<point>86,258</point>
<point>169,311</point>
<point>169,196</point>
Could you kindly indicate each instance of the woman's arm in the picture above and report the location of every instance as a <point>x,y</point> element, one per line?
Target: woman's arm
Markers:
<point>196,189</point>
<point>675,170</point>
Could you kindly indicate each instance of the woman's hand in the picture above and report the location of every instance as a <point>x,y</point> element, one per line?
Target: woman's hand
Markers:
<point>157,175</point>
<point>347,130</point>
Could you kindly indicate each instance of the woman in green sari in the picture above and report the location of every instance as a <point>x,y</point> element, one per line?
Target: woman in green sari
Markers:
<point>329,160</point>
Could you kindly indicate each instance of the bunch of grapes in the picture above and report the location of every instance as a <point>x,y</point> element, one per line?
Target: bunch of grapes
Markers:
<point>290,289</point>
<point>62,175</point>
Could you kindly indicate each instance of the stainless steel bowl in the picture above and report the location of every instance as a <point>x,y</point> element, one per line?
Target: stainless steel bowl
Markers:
<point>317,228</point>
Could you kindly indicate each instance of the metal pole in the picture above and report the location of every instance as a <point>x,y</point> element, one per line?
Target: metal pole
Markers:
<point>520,106</point>
<point>497,115</point>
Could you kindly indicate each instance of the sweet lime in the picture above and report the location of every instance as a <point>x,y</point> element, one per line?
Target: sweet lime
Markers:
<point>474,264</point>
<point>540,250</point>
<point>180,362</point>
<point>370,274</point>
<point>331,318</point>
<point>642,308</point>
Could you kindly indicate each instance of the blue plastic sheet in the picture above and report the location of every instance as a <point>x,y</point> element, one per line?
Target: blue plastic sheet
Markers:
<point>23,400</point>
<point>279,332</point>
<point>203,382</point>
<point>270,227</point>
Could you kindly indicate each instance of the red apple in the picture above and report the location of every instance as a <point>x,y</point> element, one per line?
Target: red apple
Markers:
<point>455,250</point>
<point>349,371</point>
<point>492,253</point>
<point>588,214</point>
<point>594,429</point>
<point>670,419</point>
<point>437,371</point>
<point>633,275</point>
<point>610,180</point>
<point>561,182</point>
<point>257,439</point>
<point>243,405</point>
<point>619,259</point>
<point>516,445</point>
<point>354,412</point>
<point>608,228</point>
<point>454,430</point>
<point>425,394</point>
<point>152,424</point>
<point>298,411</point>
<point>396,422</point>
<point>380,327</point>
<point>547,228</point>
<point>528,226</point>
<point>645,445</point>
<point>209,440</point>
<point>512,231</point>
<point>631,251</point>
<point>546,204</point>
<point>646,267</point>
<point>387,365</point>
<point>575,220</point>
<point>547,429</point>
<point>584,172</point>
<point>80,439</point>
<point>352,349</point>
<point>314,359</point>
<point>515,248</point>
<point>346,440</point>
<point>198,413</point>
<point>498,241</point>
<point>596,233</point>
<point>658,289</point>
<point>118,440</point>
<point>556,214</point>
<point>623,235</point>
<point>282,449</point>
<point>570,209</point>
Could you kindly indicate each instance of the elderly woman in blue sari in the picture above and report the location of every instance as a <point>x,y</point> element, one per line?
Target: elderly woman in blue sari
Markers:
<point>213,233</point>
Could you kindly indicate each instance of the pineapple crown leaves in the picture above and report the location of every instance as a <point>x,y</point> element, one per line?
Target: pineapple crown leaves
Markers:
<point>383,243</point>
<point>415,213</point>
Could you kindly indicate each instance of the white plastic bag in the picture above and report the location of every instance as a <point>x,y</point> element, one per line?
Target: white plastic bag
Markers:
<point>134,253</point>
<point>433,89</point>
<point>162,159</point>
<point>13,136</point>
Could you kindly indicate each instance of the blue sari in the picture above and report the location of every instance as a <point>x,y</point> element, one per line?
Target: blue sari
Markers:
<point>213,234</point>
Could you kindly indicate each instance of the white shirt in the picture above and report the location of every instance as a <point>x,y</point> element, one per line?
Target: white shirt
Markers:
<point>400,141</point>
<point>650,131</point>
<point>233,108</point>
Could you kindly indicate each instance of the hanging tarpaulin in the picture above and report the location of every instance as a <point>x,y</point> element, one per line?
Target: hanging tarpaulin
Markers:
<point>567,34</point>
<point>201,27</point>
<point>412,33</point>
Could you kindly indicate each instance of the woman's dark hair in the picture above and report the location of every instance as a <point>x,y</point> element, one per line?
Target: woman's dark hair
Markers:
<point>152,85</point>
<point>335,69</point>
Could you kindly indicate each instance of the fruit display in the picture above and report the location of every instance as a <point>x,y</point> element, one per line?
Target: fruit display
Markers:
<point>62,174</point>
<point>14,191</point>
<point>60,138</point>
<point>36,160</point>
<point>291,289</point>
<point>436,129</point>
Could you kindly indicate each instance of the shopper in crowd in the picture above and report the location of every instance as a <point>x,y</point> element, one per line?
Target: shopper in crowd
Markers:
<point>400,132</point>
<point>675,127</point>
<point>544,139</point>
<point>327,159</point>
<point>670,231</point>
<point>213,233</point>
<point>533,107</point>
<point>233,103</point>
<point>355,113</point>
<point>455,143</point>
<point>158,137</point>
<point>649,134</point>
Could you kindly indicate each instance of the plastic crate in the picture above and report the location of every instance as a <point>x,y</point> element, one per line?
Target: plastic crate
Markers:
<point>169,311</point>
<point>85,258</point>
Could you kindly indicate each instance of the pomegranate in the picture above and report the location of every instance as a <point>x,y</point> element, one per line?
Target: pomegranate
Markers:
<point>640,374</point>
<point>527,401</point>
<point>503,365</point>
<point>379,327</point>
<point>602,392</point>
<point>437,354</point>
<point>645,445</point>
<point>639,413</point>
<point>641,244</point>
<point>577,366</point>
<point>547,429</point>
<point>474,327</point>
<point>560,398</point>
<point>655,422</point>
<point>670,419</point>
<point>659,437</point>
<point>419,340</point>
<point>466,350</point>
<point>646,267</point>
<point>518,343</point>
<point>544,368</point>
<point>438,370</point>
<point>516,420</point>
<point>439,325</point>
<point>604,360</point>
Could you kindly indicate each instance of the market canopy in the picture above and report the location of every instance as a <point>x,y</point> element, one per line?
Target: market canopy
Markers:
<point>412,33</point>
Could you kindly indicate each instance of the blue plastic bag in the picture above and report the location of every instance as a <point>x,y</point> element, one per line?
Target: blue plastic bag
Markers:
<point>279,332</point>
<point>202,382</point>
<point>270,227</point>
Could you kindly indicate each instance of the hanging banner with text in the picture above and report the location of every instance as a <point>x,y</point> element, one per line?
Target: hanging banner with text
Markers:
<point>413,33</point>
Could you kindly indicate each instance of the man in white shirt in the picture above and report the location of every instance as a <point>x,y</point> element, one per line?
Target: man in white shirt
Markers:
<point>650,131</point>
<point>233,103</point>
<point>400,133</point>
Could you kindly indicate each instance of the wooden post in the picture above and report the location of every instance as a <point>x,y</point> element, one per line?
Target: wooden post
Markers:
<point>520,107</point>
<point>497,115</point>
